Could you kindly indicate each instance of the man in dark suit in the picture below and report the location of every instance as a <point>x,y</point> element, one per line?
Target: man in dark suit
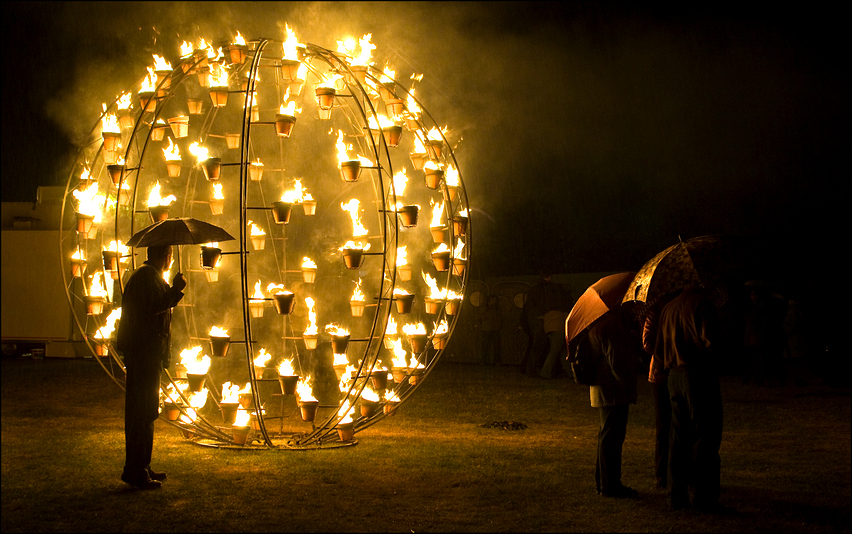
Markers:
<point>143,340</point>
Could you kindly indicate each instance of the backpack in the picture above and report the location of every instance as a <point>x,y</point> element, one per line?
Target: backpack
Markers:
<point>582,360</point>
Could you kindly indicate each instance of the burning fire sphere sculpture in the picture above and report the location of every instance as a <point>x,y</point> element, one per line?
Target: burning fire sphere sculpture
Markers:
<point>344,286</point>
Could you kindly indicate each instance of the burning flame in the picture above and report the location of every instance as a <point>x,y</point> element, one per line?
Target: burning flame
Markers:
<point>400,291</point>
<point>119,248</point>
<point>185,49</point>
<point>243,418</point>
<point>437,211</point>
<point>258,294</point>
<point>200,153</point>
<point>304,390</point>
<point>400,355</point>
<point>383,122</point>
<point>419,146</point>
<point>329,81</point>
<point>336,330</point>
<point>391,396</point>
<point>311,330</point>
<point>220,78</point>
<point>291,45</point>
<point>154,198</point>
<point>358,229</point>
<point>391,328</point>
<point>109,122</point>
<point>172,394</point>
<point>285,368</point>
<point>105,331</point>
<point>357,295</point>
<point>434,292</point>
<point>436,135</point>
<point>401,256</point>
<point>370,395</point>
<point>412,105</point>
<point>256,231</point>
<point>459,248</point>
<point>78,255</point>
<point>195,365</point>
<point>172,153</point>
<point>400,180</point>
<point>239,40</point>
<point>262,358</point>
<point>442,328</point>
<point>161,64</point>
<point>387,75</point>
<point>276,289</point>
<point>290,107</point>
<point>89,201</point>
<point>124,101</point>
<point>149,84</point>
<point>345,412</point>
<point>363,56</point>
<point>217,192</point>
<point>215,331</point>
<point>442,247</point>
<point>412,329</point>
<point>451,176</point>
<point>97,288</point>
<point>340,359</point>
<point>308,263</point>
<point>414,364</point>
<point>296,195</point>
<point>230,393</point>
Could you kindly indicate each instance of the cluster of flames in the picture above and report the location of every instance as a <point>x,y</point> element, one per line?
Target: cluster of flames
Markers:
<point>359,55</point>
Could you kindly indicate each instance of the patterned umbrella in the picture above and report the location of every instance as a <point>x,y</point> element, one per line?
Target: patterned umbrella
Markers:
<point>708,261</point>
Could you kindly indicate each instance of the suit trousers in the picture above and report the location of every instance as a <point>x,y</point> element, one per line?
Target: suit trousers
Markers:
<point>610,442</point>
<point>696,435</point>
<point>141,409</point>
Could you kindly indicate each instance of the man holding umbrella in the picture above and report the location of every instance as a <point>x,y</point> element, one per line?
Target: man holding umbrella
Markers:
<point>595,325</point>
<point>143,339</point>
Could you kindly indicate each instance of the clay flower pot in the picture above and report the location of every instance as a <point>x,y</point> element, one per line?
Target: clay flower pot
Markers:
<point>308,409</point>
<point>350,170</point>
<point>196,382</point>
<point>346,431</point>
<point>441,260</point>
<point>408,216</point>
<point>240,434</point>
<point>159,213</point>
<point>281,212</point>
<point>368,407</point>
<point>284,124</point>
<point>404,303</point>
<point>219,345</point>
<point>418,342</point>
<point>229,412</point>
<point>210,257</point>
<point>171,411</point>
<point>353,257</point>
<point>288,384</point>
<point>339,343</point>
<point>325,97</point>
<point>284,302</point>
<point>180,125</point>
<point>212,168</point>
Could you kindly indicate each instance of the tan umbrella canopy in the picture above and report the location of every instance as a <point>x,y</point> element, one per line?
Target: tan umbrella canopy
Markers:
<point>604,295</point>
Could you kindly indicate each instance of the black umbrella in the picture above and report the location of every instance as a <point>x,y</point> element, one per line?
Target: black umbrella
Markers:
<point>178,231</point>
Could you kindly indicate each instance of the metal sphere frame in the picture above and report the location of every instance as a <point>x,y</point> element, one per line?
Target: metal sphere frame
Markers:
<point>358,103</point>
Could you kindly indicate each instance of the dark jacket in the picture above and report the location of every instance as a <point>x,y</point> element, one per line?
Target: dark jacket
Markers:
<point>688,331</point>
<point>618,363</point>
<point>143,331</point>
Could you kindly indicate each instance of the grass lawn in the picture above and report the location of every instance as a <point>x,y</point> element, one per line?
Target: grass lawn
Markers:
<point>432,467</point>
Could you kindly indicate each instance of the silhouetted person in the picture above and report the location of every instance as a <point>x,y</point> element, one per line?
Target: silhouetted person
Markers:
<point>554,327</point>
<point>489,324</point>
<point>143,339</point>
<point>543,297</point>
<point>658,380</point>
<point>687,341</point>
<point>613,392</point>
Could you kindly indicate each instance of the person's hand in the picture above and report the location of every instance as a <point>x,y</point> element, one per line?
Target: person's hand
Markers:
<point>179,282</point>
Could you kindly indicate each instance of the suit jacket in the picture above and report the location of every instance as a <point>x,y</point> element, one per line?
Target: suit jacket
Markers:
<point>143,331</point>
<point>688,331</point>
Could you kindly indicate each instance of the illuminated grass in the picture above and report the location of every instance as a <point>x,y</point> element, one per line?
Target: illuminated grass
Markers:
<point>431,467</point>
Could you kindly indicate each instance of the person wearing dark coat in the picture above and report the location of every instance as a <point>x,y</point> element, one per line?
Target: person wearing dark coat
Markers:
<point>613,393</point>
<point>143,340</point>
<point>687,345</point>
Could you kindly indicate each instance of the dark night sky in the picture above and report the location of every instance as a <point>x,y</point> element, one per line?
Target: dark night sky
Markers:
<point>593,134</point>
